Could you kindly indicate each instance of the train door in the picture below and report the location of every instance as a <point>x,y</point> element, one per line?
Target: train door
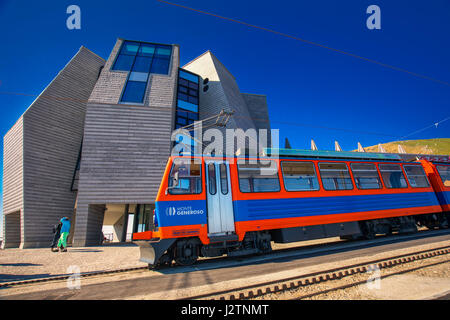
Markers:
<point>219,197</point>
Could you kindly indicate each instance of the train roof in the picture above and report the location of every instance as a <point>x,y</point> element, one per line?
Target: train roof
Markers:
<point>323,154</point>
<point>311,154</point>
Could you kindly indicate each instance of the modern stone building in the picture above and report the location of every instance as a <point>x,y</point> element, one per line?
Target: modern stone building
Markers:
<point>93,146</point>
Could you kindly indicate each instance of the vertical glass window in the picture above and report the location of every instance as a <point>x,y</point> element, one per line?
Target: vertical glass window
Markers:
<point>141,59</point>
<point>124,62</point>
<point>258,177</point>
<point>142,64</point>
<point>444,172</point>
<point>416,176</point>
<point>299,176</point>
<point>366,176</point>
<point>223,178</point>
<point>212,179</point>
<point>392,176</point>
<point>160,66</point>
<point>187,98</point>
<point>335,176</point>
<point>134,92</point>
<point>142,218</point>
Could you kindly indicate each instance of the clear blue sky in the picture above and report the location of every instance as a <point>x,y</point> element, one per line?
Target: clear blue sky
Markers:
<point>304,84</point>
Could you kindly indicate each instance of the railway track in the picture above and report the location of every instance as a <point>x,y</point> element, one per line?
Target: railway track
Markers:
<point>282,285</point>
<point>331,247</point>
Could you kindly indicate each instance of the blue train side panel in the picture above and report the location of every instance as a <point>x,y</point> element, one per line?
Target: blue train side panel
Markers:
<point>261,209</point>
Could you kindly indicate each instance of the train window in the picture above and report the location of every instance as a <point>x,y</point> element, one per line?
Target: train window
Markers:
<point>335,176</point>
<point>444,172</point>
<point>223,178</point>
<point>189,177</point>
<point>212,184</point>
<point>299,176</point>
<point>258,177</point>
<point>366,176</point>
<point>392,176</point>
<point>416,176</point>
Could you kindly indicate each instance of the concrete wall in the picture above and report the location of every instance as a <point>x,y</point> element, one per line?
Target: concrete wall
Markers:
<point>257,108</point>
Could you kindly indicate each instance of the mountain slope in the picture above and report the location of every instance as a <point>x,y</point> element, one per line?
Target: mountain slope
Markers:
<point>426,146</point>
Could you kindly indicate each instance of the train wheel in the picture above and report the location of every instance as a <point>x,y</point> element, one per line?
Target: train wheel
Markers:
<point>187,252</point>
<point>368,230</point>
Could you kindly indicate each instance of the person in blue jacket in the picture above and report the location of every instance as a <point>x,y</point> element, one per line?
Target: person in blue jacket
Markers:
<point>65,228</point>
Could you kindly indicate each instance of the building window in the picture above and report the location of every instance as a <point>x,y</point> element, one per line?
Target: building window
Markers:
<point>444,172</point>
<point>366,176</point>
<point>140,60</point>
<point>258,177</point>
<point>392,176</point>
<point>187,102</point>
<point>143,219</point>
<point>299,176</point>
<point>416,176</point>
<point>188,85</point>
<point>335,176</point>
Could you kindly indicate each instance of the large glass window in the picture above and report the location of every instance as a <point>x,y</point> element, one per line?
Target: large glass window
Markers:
<point>142,218</point>
<point>258,177</point>
<point>141,59</point>
<point>444,172</point>
<point>146,57</point>
<point>335,176</point>
<point>189,177</point>
<point>187,99</point>
<point>134,91</point>
<point>187,92</point>
<point>366,176</point>
<point>392,176</point>
<point>299,176</point>
<point>416,176</point>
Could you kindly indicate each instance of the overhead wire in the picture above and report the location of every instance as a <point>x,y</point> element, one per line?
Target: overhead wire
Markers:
<point>309,42</point>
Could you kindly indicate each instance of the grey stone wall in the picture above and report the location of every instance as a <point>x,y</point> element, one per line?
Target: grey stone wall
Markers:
<point>13,169</point>
<point>52,133</point>
<point>224,93</point>
<point>125,147</point>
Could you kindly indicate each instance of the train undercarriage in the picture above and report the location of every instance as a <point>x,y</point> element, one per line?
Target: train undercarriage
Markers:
<point>186,251</point>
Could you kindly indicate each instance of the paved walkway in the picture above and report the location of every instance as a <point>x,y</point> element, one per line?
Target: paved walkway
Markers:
<point>23,264</point>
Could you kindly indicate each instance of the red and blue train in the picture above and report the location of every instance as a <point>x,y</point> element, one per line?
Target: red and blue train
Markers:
<point>210,206</point>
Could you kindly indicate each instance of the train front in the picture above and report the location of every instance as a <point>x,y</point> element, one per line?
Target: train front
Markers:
<point>180,211</point>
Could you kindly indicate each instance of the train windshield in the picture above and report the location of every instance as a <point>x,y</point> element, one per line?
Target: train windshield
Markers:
<point>444,172</point>
<point>188,172</point>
